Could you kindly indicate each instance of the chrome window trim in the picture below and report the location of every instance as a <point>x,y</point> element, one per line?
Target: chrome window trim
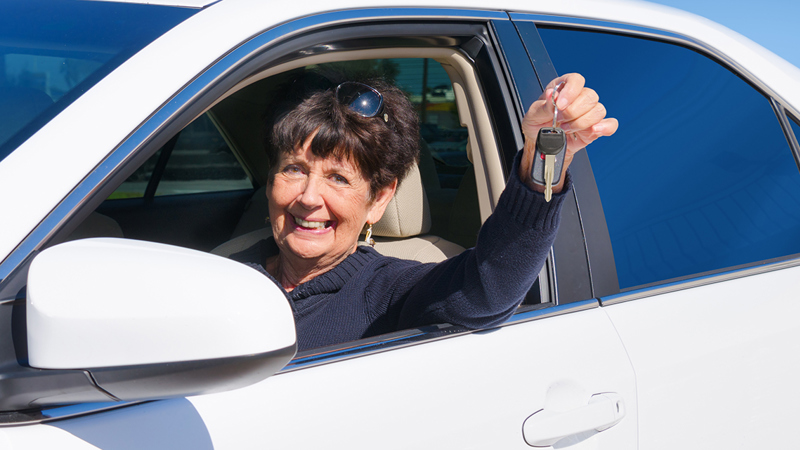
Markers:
<point>791,138</point>
<point>702,280</point>
<point>205,81</point>
<point>658,34</point>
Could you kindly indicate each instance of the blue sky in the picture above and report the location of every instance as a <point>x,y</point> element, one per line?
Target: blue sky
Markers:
<point>771,23</point>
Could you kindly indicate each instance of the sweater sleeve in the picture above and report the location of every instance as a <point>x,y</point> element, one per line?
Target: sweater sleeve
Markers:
<point>483,286</point>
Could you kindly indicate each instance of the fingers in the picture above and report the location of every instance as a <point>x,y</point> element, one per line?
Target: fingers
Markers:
<point>540,114</point>
<point>580,115</point>
<point>583,113</point>
<point>606,127</point>
<point>577,140</point>
<point>571,89</point>
<point>572,99</point>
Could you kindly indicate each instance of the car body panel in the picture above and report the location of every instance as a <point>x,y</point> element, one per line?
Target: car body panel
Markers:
<point>473,394</point>
<point>169,424</point>
<point>43,436</point>
<point>427,385</point>
<point>713,363</point>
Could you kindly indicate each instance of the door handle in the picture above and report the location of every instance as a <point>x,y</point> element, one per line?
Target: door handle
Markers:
<point>544,428</point>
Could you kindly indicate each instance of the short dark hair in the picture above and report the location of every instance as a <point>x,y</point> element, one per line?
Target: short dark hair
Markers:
<point>384,151</point>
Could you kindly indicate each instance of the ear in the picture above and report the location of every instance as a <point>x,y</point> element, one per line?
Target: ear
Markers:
<point>381,201</point>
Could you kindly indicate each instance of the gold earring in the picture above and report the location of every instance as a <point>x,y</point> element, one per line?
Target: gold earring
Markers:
<point>266,221</point>
<point>368,238</point>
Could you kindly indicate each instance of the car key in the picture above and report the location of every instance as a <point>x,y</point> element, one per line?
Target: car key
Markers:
<point>548,159</point>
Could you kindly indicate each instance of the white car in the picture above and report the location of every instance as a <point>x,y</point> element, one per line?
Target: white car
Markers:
<point>131,158</point>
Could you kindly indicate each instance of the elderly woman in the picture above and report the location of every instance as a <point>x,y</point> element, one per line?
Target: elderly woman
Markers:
<point>336,160</point>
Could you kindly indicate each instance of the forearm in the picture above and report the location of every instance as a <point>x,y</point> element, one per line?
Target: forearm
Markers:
<point>484,285</point>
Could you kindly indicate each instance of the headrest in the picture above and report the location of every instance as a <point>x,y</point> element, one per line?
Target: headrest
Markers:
<point>408,213</point>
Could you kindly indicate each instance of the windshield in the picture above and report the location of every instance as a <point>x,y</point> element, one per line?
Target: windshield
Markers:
<point>52,51</point>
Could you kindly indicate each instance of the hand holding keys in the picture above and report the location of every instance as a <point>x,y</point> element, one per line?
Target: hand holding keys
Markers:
<point>549,158</point>
<point>577,112</point>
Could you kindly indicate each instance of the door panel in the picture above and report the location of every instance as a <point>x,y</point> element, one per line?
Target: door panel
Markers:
<point>473,391</point>
<point>165,425</point>
<point>717,366</point>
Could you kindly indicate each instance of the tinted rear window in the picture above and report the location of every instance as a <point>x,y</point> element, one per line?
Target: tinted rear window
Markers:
<point>53,51</point>
<point>699,178</point>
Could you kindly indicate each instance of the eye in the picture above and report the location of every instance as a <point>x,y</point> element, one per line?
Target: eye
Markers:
<point>292,169</point>
<point>339,179</point>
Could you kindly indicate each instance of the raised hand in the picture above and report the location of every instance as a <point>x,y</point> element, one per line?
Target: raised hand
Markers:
<point>580,115</point>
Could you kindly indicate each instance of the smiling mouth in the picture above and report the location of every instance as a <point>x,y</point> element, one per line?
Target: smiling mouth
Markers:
<point>313,225</point>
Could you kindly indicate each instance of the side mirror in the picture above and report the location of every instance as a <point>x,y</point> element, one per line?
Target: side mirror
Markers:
<point>151,321</point>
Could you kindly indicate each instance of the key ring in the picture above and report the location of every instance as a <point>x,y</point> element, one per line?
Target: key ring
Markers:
<point>553,96</point>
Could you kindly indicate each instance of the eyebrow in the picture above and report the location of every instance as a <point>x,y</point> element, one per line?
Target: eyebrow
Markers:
<point>337,164</point>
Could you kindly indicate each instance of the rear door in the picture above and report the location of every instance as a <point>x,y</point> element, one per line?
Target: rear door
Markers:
<point>700,196</point>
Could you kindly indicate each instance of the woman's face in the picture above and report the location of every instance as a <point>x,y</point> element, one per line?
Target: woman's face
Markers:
<point>318,206</point>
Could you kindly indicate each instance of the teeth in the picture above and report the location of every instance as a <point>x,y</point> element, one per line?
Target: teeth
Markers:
<point>307,224</point>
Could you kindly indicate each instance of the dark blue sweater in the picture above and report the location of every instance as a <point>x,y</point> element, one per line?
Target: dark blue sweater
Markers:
<point>369,294</point>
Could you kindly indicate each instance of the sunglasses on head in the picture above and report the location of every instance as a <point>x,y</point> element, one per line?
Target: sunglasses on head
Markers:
<point>363,100</point>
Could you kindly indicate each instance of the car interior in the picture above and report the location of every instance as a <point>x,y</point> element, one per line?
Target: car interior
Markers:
<point>205,188</point>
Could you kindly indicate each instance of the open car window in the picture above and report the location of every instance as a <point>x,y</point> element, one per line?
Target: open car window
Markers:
<point>445,168</point>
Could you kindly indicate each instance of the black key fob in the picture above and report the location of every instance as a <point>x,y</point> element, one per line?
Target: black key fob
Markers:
<point>550,141</point>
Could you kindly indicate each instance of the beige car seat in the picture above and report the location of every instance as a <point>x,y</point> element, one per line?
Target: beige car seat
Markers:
<point>401,232</point>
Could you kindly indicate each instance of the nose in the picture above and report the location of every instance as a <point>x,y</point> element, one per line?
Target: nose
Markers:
<point>311,196</point>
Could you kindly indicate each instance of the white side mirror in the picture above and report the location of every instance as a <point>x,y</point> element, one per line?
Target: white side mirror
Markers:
<point>152,320</point>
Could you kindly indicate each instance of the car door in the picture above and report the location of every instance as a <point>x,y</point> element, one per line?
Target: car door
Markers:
<point>556,373</point>
<point>699,192</point>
